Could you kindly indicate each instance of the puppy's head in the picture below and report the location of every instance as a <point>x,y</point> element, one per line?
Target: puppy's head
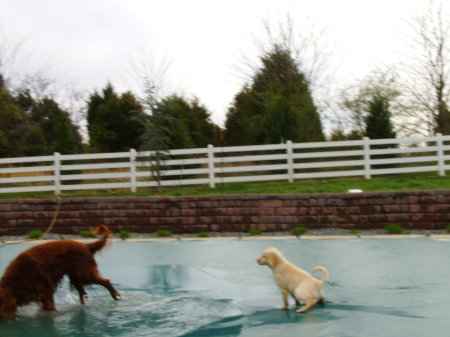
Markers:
<point>270,257</point>
<point>8,303</point>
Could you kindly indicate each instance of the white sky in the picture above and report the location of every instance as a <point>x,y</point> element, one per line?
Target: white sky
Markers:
<point>90,42</point>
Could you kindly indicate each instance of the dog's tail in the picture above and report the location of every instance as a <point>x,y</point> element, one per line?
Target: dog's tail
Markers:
<point>324,272</point>
<point>99,244</point>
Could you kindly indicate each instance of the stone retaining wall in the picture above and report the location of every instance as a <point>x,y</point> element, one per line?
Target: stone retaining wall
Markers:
<point>237,213</point>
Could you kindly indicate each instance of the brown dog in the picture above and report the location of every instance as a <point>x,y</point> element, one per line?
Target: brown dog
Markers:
<point>34,275</point>
<point>301,285</point>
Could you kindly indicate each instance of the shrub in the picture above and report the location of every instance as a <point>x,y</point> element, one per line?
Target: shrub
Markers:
<point>124,235</point>
<point>35,234</point>
<point>203,234</point>
<point>297,231</point>
<point>353,231</point>
<point>164,232</point>
<point>87,234</point>
<point>394,229</point>
<point>448,228</point>
<point>255,231</point>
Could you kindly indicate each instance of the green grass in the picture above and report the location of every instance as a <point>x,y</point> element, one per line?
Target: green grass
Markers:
<point>35,234</point>
<point>406,182</point>
<point>124,234</point>
<point>203,235</point>
<point>87,234</point>
<point>394,229</point>
<point>298,231</point>
<point>164,233</point>
<point>255,231</point>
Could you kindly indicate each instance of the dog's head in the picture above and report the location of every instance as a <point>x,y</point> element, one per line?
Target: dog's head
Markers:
<point>270,257</point>
<point>8,303</point>
<point>101,230</point>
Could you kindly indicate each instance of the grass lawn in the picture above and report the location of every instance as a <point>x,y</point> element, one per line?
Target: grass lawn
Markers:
<point>339,185</point>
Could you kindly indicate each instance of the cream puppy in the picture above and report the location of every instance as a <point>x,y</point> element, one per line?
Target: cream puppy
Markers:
<point>301,285</point>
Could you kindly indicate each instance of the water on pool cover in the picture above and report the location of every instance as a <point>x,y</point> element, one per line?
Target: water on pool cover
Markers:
<point>390,287</point>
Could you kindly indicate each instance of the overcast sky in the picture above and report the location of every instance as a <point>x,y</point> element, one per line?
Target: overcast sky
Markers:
<point>91,42</point>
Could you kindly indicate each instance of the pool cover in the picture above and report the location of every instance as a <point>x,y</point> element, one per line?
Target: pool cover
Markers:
<point>378,287</point>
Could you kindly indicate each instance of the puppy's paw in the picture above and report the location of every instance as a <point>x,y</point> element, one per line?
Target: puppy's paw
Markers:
<point>302,310</point>
<point>284,308</point>
<point>117,296</point>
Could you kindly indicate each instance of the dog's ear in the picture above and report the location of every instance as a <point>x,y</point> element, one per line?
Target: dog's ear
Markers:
<point>8,303</point>
<point>272,259</point>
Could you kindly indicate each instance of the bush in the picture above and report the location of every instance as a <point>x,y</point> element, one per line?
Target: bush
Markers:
<point>164,232</point>
<point>353,231</point>
<point>448,228</point>
<point>124,235</point>
<point>203,234</point>
<point>297,231</point>
<point>255,231</point>
<point>35,234</point>
<point>87,234</point>
<point>394,229</point>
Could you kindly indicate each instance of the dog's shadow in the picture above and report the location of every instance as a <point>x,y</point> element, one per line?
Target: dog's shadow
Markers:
<point>233,325</point>
<point>388,311</point>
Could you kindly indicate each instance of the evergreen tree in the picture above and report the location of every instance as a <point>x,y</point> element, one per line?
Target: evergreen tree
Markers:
<point>189,123</point>
<point>276,107</point>
<point>60,133</point>
<point>378,121</point>
<point>111,125</point>
<point>368,106</point>
<point>13,124</point>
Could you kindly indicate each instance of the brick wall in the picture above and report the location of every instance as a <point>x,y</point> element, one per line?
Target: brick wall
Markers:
<point>415,209</point>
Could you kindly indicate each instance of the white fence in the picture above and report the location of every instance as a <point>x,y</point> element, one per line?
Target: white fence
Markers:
<point>216,165</point>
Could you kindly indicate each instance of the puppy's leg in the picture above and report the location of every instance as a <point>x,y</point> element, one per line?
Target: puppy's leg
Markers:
<point>284,295</point>
<point>310,302</point>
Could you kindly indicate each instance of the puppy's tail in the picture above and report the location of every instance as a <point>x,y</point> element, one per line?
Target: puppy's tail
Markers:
<point>324,272</point>
<point>99,244</point>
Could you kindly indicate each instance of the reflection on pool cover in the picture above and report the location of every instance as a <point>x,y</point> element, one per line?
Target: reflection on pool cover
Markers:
<point>215,288</point>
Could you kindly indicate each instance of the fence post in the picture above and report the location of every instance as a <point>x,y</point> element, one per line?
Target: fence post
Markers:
<point>367,173</point>
<point>133,170</point>
<point>212,183</point>
<point>440,154</point>
<point>290,161</point>
<point>57,172</point>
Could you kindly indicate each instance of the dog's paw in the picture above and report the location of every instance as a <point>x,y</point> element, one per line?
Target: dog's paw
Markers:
<point>302,310</point>
<point>117,296</point>
<point>284,308</point>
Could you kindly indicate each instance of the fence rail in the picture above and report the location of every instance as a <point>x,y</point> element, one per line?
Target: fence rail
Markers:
<point>214,165</point>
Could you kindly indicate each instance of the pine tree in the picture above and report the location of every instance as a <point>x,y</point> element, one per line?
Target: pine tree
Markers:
<point>276,107</point>
<point>111,125</point>
<point>378,121</point>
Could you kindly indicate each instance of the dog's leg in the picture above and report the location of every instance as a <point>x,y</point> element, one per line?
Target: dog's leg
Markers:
<point>310,302</point>
<point>47,302</point>
<point>107,284</point>
<point>297,302</point>
<point>81,292</point>
<point>284,295</point>
<point>78,285</point>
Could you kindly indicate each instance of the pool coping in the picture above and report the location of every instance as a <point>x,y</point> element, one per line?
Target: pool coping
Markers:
<point>249,238</point>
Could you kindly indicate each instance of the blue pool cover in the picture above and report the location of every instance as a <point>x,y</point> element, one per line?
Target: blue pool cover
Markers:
<point>378,287</point>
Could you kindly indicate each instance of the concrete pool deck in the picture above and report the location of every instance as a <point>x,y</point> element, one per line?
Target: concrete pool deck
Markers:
<point>246,237</point>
